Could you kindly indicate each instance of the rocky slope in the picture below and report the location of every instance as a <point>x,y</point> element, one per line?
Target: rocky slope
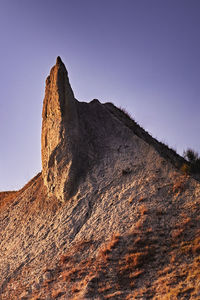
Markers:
<point>109,217</point>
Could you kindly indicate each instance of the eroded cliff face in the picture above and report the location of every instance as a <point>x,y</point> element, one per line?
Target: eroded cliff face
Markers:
<point>59,133</point>
<point>75,135</point>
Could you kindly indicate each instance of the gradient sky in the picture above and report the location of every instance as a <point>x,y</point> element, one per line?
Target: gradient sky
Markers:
<point>143,55</point>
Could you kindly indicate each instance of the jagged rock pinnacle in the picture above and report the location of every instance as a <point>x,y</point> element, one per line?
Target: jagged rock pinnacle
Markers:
<point>58,60</point>
<point>75,135</point>
<point>59,132</point>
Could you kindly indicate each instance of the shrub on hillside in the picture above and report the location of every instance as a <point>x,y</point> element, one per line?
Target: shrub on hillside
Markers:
<point>194,160</point>
<point>185,168</point>
<point>190,155</point>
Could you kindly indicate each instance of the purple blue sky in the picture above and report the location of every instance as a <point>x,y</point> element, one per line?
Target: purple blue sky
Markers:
<point>143,55</point>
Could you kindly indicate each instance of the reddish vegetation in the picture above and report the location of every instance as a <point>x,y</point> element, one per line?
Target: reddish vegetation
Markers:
<point>123,266</point>
<point>180,184</point>
<point>125,263</point>
<point>143,210</point>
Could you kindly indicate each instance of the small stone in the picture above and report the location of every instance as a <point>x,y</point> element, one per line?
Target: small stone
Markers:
<point>47,276</point>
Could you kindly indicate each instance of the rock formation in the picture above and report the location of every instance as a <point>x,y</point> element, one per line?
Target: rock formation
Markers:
<point>60,130</point>
<point>111,215</point>
<point>75,135</point>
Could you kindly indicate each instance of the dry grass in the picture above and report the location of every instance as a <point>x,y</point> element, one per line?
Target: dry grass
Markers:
<point>57,293</point>
<point>181,282</point>
<point>137,294</point>
<point>180,184</point>
<point>196,248</point>
<point>185,169</point>
<point>107,248</point>
<point>186,221</point>
<point>70,274</point>
<point>173,258</point>
<point>35,297</point>
<point>136,274</point>
<point>113,295</point>
<point>143,209</point>
<point>104,254</point>
<point>64,258</point>
<point>81,245</point>
<point>176,233</point>
<point>192,247</point>
<point>135,260</point>
<point>131,257</point>
<point>141,199</point>
<point>107,286</point>
<point>139,225</point>
<point>113,242</point>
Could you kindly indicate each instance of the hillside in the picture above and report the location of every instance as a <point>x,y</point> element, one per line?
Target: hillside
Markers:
<point>111,216</point>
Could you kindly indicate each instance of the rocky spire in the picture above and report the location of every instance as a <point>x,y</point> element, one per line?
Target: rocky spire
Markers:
<point>75,135</point>
<point>59,133</point>
<point>59,97</point>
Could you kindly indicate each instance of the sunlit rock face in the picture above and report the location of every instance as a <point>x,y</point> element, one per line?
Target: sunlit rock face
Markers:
<point>59,134</point>
<point>73,135</point>
<point>76,136</point>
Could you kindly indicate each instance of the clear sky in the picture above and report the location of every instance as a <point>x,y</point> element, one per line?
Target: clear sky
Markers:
<point>143,55</point>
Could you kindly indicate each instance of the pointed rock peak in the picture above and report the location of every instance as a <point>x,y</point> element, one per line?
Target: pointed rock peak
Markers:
<point>59,96</point>
<point>60,64</point>
<point>59,129</point>
<point>59,60</point>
